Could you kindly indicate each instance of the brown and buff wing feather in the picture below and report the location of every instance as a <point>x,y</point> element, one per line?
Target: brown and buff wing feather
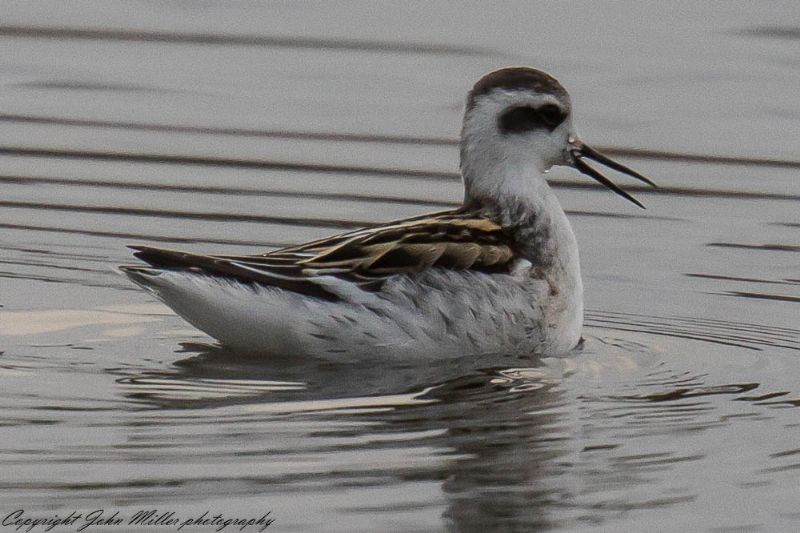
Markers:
<point>458,240</point>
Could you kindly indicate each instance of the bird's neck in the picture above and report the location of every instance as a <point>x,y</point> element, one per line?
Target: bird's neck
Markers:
<point>519,198</point>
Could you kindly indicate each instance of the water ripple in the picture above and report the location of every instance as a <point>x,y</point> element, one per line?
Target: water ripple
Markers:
<point>727,333</point>
<point>62,33</point>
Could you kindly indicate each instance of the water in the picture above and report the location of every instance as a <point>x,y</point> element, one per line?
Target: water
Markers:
<point>239,127</point>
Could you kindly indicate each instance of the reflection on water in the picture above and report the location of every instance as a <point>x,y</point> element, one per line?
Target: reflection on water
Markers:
<point>242,127</point>
<point>500,441</point>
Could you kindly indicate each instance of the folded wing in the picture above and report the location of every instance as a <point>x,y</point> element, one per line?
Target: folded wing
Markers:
<point>456,240</point>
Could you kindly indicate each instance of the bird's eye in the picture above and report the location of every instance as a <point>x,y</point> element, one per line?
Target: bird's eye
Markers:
<point>551,115</point>
<point>522,119</point>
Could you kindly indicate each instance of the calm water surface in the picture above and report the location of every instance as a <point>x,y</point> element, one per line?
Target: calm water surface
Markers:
<point>240,127</point>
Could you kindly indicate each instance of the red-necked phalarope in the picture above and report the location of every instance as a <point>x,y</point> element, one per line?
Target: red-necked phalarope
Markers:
<point>498,275</point>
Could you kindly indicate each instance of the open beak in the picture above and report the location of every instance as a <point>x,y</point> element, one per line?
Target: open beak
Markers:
<point>578,150</point>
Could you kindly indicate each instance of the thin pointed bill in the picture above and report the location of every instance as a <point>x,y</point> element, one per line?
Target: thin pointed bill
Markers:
<point>581,151</point>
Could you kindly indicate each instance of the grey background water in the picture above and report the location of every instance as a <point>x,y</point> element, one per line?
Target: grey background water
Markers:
<point>240,126</point>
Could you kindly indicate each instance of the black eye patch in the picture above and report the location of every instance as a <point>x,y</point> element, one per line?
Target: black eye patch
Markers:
<point>525,118</point>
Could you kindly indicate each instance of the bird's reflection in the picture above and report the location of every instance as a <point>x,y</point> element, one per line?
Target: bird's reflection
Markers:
<point>217,376</point>
<point>495,416</point>
<point>497,432</point>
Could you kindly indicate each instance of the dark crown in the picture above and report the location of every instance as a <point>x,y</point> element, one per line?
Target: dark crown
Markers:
<point>517,79</point>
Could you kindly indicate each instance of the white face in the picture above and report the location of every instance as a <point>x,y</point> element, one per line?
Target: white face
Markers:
<point>512,137</point>
<point>518,127</point>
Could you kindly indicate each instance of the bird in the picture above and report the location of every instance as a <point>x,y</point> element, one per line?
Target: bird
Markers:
<point>498,275</point>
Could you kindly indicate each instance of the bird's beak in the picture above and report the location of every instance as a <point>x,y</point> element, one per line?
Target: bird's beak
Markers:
<point>578,151</point>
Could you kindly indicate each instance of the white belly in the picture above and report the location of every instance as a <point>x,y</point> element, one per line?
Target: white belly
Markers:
<point>436,314</point>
